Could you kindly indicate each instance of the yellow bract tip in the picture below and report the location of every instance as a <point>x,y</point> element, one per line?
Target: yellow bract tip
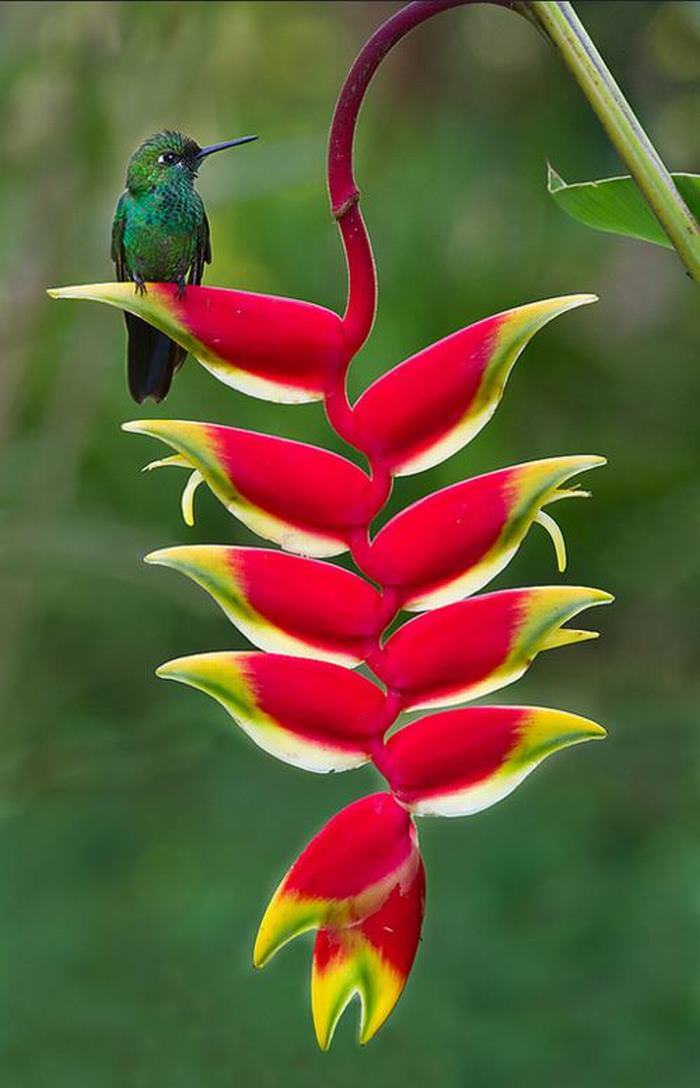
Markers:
<point>161,555</point>
<point>115,294</point>
<point>603,596</point>
<point>562,303</point>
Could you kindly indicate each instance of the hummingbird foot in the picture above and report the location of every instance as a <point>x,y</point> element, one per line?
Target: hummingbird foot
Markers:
<point>181,288</point>
<point>139,286</point>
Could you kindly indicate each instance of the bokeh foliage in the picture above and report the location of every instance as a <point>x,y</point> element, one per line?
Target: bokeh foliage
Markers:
<point>140,835</point>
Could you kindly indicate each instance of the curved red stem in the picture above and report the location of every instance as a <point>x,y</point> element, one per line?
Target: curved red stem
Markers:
<point>343,191</point>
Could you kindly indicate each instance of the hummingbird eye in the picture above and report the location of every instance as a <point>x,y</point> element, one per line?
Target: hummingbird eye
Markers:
<point>168,158</point>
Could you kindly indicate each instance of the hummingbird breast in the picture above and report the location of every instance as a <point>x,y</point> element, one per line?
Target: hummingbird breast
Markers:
<point>160,233</point>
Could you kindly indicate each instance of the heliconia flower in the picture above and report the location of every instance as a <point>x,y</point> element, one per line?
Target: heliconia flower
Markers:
<point>282,602</point>
<point>312,714</point>
<point>434,403</point>
<point>360,883</point>
<point>302,497</point>
<point>453,542</point>
<point>462,761</point>
<point>278,349</point>
<point>475,647</point>
<point>372,959</point>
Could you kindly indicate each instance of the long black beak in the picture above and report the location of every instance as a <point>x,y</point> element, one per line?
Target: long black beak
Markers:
<point>203,152</point>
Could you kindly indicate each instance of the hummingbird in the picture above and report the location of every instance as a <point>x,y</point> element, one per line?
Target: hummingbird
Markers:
<point>161,233</point>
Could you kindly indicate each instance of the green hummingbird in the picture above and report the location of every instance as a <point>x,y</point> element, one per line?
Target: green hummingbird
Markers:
<point>161,233</point>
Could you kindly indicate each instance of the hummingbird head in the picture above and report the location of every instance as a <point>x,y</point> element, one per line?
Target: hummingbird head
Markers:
<point>170,157</point>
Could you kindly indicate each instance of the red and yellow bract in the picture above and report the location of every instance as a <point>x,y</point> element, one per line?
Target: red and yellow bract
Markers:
<point>309,713</point>
<point>360,883</point>
<point>281,601</point>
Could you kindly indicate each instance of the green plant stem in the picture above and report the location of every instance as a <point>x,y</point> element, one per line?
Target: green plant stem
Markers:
<point>565,30</point>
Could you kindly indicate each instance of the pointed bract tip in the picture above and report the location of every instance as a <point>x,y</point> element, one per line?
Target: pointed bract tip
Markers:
<point>585,593</point>
<point>561,730</point>
<point>170,670</point>
<point>266,945</point>
<point>586,298</point>
<point>586,460</point>
<point>562,468</point>
<point>161,556</point>
<point>573,598</point>
<point>259,957</point>
<point>577,724</point>
<point>115,292</point>
<point>528,319</point>
<point>561,303</point>
<point>584,729</point>
<point>78,290</point>
<point>165,429</point>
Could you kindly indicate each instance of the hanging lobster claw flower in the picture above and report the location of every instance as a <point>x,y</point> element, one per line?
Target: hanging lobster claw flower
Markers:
<point>475,647</point>
<point>284,603</point>
<point>434,403</point>
<point>279,349</point>
<point>360,883</point>
<point>303,498</point>
<point>314,715</point>
<point>372,959</point>
<point>462,761</point>
<point>453,542</point>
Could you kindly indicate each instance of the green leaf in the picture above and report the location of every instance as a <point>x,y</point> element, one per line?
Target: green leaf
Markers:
<point>616,204</point>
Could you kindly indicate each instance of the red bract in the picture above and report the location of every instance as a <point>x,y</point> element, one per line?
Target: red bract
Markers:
<point>360,882</point>
<point>477,646</point>
<point>432,404</point>
<point>456,540</point>
<point>278,349</point>
<point>301,497</point>
<point>309,713</point>
<point>344,875</point>
<point>462,761</point>
<point>284,603</point>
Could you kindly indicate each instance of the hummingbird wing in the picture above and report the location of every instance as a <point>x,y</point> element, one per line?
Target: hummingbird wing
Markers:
<point>202,250</point>
<point>117,251</point>
<point>152,357</point>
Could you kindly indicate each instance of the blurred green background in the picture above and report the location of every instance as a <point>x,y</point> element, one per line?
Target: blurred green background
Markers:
<point>141,835</point>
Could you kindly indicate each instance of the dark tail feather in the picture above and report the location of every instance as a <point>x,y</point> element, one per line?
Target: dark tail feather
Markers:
<point>152,359</point>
